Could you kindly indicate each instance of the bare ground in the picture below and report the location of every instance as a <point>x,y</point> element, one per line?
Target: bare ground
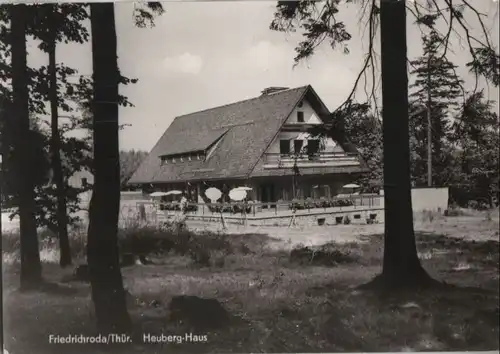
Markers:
<point>279,305</point>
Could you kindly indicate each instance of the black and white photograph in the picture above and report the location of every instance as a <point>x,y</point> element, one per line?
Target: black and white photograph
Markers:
<point>249,176</point>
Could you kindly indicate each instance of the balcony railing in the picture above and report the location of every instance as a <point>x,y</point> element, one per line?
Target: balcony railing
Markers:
<point>277,160</point>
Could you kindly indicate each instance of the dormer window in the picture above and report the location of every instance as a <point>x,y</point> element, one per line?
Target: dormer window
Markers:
<point>300,117</point>
<point>192,156</point>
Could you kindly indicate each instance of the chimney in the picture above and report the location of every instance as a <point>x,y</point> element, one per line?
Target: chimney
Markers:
<point>273,89</point>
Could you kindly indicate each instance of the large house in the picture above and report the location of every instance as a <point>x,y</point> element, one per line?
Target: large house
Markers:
<point>262,143</point>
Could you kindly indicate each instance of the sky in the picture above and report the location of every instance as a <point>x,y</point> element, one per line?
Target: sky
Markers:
<point>206,54</point>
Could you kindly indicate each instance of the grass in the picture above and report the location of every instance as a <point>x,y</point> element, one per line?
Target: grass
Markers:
<point>281,303</point>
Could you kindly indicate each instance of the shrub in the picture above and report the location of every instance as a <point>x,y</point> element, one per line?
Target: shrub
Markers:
<point>342,203</point>
<point>454,211</point>
<point>200,257</point>
<point>329,254</point>
<point>11,242</point>
<point>240,207</point>
<point>191,208</point>
<point>297,204</point>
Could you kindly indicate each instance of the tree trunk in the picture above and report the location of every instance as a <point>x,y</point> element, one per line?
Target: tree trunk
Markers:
<point>401,266</point>
<point>55,146</point>
<point>106,280</point>
<point>31,269</point>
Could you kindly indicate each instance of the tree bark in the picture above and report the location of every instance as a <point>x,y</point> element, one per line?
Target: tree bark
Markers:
<point>55,146</point>
<point>31,269</point>
<point>401,266</point>
<point>106,280</point>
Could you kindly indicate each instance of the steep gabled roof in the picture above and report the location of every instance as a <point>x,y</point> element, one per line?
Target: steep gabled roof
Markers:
<point>243,131</point>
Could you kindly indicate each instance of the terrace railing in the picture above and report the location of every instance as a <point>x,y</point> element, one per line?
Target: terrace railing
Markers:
<point>365,201</point>
<point>321,159</point>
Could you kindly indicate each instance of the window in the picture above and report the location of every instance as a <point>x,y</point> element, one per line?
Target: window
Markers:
<point>284,147</point>
<point>84,182</point>
<point>300,117</point>
<point>312,147</point>
<point>297,146</point>
<point>189,157</point>
<point>300,104</point>
<point>173,159</point>
<point>181,159</point>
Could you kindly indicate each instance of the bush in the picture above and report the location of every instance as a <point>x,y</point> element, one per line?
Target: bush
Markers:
<point>454,211</point>
<point>204,249</point>
<point>192,208</point>
<point>342,203</point>
<point>11,243</point>
<point>240,208</point>
<point>322,203</point>
<point>297,204</point>
<point>326,255</point>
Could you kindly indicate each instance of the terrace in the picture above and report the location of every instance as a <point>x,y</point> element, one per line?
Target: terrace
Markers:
<point>360,207</point>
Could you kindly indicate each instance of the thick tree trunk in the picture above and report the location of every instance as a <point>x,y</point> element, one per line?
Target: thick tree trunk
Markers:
<point>401,266</point>
<point>31,269</point>
<point>55,146</point>
<point>108,294</point>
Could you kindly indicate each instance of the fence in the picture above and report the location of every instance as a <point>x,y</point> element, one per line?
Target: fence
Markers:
<point>155,212</point>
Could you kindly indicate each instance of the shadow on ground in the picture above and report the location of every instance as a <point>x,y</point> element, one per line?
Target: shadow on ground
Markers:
<point>275,302</point>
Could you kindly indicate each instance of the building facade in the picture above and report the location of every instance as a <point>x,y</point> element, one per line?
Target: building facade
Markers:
<point>263,143</point>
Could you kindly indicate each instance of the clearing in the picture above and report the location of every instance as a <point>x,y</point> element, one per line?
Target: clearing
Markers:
<point>279,303</point>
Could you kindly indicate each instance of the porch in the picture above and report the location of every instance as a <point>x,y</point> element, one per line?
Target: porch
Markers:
<point>288,188</point>
<point>264,190</point>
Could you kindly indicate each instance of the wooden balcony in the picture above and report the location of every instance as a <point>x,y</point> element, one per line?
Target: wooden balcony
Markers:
<point>323,159</point>
<point>298,127</point>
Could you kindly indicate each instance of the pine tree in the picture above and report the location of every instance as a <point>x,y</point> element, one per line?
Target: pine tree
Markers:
<point>321,24</point>
<point>476,134</point>
<point>437,88</point>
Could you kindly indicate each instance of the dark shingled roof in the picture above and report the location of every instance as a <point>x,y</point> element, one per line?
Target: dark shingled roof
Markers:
<point>245,130</point>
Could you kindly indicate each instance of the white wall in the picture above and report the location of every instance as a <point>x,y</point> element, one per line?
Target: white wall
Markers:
<point>428,199</point>
<point>310,117</point>
<point>76,179</point>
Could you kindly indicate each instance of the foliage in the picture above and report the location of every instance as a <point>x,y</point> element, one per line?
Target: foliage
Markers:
<point>364,130</point>
<point>320,22</point>
<point>476,134</point>
<point>354,124</point>
<point>129,163</point>
<point>436,84</point>
<point>74,97</point>
<point>145,13</point>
